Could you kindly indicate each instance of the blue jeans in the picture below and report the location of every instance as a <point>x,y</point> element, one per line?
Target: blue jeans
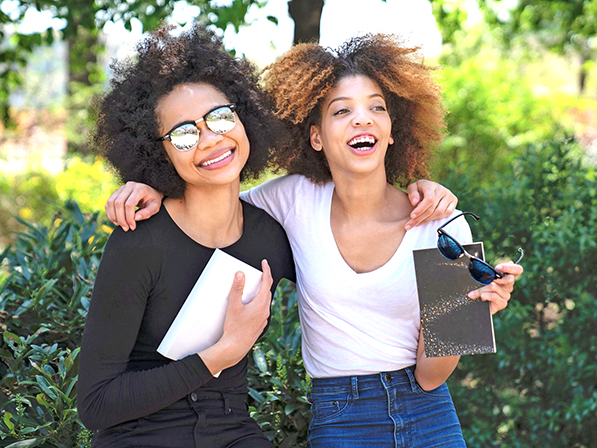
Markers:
<point>384,410</point>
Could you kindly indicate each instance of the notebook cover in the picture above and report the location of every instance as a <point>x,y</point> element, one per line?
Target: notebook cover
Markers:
<point>452,323</point>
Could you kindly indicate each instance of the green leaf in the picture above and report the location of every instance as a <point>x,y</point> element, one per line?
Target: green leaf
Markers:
<point>25,443</point>
<point>46,387</point>
<point>7,418</point>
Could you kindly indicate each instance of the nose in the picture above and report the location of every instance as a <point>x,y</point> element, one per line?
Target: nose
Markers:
<point>362,117</point>
<point>207,138</point>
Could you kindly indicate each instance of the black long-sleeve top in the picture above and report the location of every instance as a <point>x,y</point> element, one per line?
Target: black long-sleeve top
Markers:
<point>142,282</point>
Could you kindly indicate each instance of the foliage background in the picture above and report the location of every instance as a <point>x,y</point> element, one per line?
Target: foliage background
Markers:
<point>521,151</point>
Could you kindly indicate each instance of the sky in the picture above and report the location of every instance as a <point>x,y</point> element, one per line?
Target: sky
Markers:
<point>263,40</point>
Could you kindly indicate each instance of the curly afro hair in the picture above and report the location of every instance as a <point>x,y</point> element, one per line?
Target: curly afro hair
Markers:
<point>127,128</point>
<point>300,81</point>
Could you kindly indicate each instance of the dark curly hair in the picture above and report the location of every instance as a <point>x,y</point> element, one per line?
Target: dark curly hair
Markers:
<point>301,79</point>
<point>127,128</point>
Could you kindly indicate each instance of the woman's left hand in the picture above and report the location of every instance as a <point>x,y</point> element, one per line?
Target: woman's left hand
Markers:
<point>497,293</point>
<point>431,201</point>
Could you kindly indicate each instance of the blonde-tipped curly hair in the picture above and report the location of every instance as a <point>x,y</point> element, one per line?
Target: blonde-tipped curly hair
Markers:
<point>301,79</point>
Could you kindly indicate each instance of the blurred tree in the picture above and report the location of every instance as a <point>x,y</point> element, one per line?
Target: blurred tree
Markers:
<point>559,25</point>
<point>84,21</point>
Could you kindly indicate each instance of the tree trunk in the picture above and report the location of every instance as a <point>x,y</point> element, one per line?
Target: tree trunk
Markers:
<point>306,15</point>
<point>84,81</point>
<point>582,78</point>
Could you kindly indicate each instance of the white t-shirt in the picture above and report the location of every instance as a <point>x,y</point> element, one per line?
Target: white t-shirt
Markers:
<point>353,324</point>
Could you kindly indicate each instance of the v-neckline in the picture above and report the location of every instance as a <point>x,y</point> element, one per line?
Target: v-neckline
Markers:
<point>335,252</point>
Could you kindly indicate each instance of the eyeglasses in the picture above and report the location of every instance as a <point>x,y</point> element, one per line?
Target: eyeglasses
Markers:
<point>185,136</point>
<point>481,271</point>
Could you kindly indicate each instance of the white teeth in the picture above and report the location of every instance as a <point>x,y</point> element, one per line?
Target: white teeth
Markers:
<point>369,140</point>
<point>217,159</point>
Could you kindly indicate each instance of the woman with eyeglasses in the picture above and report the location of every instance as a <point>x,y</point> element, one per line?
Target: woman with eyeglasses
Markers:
<point>189,119</point>
<point>360,120</point>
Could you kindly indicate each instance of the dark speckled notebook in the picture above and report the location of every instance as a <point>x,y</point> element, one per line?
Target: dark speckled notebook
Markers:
<point>452,323</point>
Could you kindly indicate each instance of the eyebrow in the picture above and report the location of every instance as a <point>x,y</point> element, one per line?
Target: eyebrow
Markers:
<point>347,98</point>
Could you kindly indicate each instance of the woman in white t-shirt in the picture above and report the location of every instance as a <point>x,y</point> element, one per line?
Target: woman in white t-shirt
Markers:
<point>361,120</point>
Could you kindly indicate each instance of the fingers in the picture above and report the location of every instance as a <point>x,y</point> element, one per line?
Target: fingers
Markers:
<point>437,202</point>
<point>151,208</point>
<point>413,193</point>
<point>510,268</point>
<point>121,206</point>
<point>266,279</point>
<point>498,292</point>
<point>235,304</point>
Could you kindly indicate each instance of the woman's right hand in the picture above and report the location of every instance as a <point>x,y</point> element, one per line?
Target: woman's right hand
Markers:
<point>121,206</point>
<point>243,325</point>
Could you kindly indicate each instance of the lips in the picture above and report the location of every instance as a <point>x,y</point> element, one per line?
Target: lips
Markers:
<point>210,160</point>
<point>363,142</point>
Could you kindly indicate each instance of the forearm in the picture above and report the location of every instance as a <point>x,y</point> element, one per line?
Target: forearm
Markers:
<point>107,398</point>
<point>431,373</point>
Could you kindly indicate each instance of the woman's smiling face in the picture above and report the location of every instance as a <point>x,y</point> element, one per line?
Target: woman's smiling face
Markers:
<point>217,159</point>
<point>355,128</point>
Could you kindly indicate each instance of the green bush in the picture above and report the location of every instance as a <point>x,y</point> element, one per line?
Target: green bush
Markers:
<point>494,113</point>
<point>540,389</point>
<point>34,195</point>
<point>277,379</point>
<point>46,284</point>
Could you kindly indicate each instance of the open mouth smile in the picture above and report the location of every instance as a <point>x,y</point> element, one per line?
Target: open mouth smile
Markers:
<point>362,142</point>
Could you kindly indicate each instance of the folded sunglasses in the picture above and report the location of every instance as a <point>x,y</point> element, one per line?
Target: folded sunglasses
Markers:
<point>481,271</point>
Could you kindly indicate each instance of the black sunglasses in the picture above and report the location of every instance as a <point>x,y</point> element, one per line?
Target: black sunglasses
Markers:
<point>481,271</point>
<point>185,136</point>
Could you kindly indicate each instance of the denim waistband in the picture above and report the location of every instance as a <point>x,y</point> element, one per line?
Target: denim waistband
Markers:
<point>354,384</point>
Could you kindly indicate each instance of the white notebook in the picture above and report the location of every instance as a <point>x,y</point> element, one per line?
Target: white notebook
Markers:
<point>200,322</point>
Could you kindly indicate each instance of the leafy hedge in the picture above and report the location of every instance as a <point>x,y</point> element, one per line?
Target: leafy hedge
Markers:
<point>540,389</point>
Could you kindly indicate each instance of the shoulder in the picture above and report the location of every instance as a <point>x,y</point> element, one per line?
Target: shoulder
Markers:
<point>258,220</point>
<point>145,237</point>
<point>279,186</point>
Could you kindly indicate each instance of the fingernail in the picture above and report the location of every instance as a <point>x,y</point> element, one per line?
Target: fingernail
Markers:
<point>472,294</point>
<point>239,276</point>
<point>407,227</point>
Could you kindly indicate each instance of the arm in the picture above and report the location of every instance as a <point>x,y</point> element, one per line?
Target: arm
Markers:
<point>432,372</point>
<point>432,200</point>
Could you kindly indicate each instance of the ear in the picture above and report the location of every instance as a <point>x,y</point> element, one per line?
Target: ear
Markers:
<point>315,137</point>
<point>391,141</point>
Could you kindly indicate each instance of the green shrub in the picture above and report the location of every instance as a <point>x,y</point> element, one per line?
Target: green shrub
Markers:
<point>34,195</point>
<point>46,284</point>
<point>540,389</point>
<point>494,113</point>
<point>277,379</point>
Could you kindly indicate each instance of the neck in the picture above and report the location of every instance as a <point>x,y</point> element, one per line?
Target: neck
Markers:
<point>361,197</point>
<point>211,216</point>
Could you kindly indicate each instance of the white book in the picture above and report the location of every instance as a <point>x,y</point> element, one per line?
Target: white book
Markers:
<point>200,322</point>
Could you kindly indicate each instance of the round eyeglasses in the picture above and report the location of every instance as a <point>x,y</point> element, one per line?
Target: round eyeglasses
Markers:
<point>185,136</point>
